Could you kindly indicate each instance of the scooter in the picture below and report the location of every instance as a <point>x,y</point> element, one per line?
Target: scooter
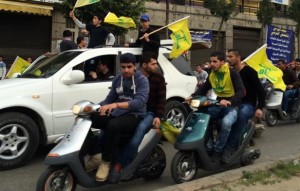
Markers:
<point>66,160</point>
<point>191,143</point>
<point>274,111</point>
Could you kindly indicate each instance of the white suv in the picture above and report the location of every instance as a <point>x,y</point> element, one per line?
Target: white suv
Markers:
<point>35,107</point>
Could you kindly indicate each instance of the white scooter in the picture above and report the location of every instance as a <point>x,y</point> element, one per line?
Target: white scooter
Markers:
<point>66,160</point>
<point>274,111</point>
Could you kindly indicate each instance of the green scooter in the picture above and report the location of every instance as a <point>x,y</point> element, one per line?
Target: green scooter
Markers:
<point>191,143</point>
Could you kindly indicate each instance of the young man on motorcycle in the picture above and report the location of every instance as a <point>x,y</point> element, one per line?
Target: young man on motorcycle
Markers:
<point>155,111</point>
<point>121,111</point>
<point>289,78</point>
<point>251,105</point>
<point>228,86</point>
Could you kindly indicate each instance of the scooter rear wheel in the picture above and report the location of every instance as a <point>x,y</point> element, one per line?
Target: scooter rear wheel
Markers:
<point>56,178</point>
<point>156,171</point>
<point>271,118</point>
<point>183,167</point>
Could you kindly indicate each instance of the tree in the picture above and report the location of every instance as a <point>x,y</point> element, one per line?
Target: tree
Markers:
<point>265,15</point>
<point>128,8</point>
<point>294,14</point>
<point>222,9</point>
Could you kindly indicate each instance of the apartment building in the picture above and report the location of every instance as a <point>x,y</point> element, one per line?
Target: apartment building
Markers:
<point>31,28</point>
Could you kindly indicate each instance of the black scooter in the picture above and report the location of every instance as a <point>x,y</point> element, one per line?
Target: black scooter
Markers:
<point>66,160</point>
<point>191,143</point>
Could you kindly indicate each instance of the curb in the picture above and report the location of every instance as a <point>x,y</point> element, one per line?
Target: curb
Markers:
<point>227,176</point>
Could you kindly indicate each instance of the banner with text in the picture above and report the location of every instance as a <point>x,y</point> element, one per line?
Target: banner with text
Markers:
<point>280,44</point>
<point>202,37</point>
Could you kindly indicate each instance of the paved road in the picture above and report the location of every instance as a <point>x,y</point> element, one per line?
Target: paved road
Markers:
<point>275,142</point>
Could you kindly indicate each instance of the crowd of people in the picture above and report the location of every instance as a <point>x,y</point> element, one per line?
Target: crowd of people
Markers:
<point>136,101</point>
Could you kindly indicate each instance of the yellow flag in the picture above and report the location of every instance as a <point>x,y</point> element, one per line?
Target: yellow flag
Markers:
<point>81,3</point>
<point>18,66</point>
<point>181,37</point>
<point>260,62</point>
<point>124,22</point>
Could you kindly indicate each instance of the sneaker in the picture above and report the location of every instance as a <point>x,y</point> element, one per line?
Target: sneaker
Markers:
<point>227,155</point>
<point>216,156</point>
<point>115,174</point>
<point>93,162</point>
<point>102,172</point>
<point>284,113</point>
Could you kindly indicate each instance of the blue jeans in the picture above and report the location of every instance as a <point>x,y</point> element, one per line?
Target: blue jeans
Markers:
<point>286,95</point>
<point>245,113</point>
<point>228,116</point>
<point>128,153</point>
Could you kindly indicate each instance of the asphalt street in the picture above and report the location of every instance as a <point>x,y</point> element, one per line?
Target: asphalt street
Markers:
<point>275,142</point>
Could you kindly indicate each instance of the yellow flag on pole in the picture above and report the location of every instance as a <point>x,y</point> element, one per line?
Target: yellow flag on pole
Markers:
<point>181,37</point>
<point>260,62</point>
<point>124,22</point>
<point>18,66</point>
<point>81,3</point>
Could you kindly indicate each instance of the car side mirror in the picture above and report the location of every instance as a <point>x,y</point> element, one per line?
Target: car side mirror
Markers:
<point>73,77</point>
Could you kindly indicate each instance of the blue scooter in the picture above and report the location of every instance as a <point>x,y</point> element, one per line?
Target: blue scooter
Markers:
<point>191,143</point>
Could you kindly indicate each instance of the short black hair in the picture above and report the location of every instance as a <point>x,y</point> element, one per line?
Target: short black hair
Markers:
<point>79,39</point>
<point>296,60</point>
<point>67,33</point>
<point>235,52</point>
<point>219,55</point>
<point>146,57</point>
<point>100,17</point>
<point>281,60</point>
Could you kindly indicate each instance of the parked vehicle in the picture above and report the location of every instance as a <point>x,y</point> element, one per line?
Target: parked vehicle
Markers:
<point>274,112</point>
<point>65,161</point>
<point>191,144</point>
<point>35,107</point>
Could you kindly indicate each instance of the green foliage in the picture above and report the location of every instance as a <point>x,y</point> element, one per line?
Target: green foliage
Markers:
<point>221,8</point>
<point>128,8</point>
<point>266,12</point>
<point>294,12</point>
<point>272,175</point>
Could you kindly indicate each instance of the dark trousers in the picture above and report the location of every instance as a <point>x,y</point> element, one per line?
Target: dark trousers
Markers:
<point>115,128</point>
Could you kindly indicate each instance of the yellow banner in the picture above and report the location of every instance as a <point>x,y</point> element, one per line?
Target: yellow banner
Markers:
<point>124,22</point>
<point>181,37</point>
<point>81,3</point>
<point>260,62</point>
<point>18,66</point>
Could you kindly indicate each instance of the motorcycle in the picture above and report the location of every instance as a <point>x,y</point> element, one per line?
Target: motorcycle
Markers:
<point>191,143</point>
<point>274,111</point>
<point>66,160</point>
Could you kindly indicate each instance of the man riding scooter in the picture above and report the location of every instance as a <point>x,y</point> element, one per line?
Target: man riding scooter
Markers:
<point>289,78</point>
<point>120,112</point>
<point>251,105</point>
<point>228,86</point>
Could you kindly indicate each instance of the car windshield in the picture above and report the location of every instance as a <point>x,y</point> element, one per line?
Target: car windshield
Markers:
<point>48,67</point>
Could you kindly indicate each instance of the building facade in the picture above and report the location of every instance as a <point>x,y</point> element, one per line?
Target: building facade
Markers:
<point>33,27</point>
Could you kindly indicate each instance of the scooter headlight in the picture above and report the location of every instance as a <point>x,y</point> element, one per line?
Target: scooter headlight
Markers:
<point>195,103</point>
<point>76,109</point>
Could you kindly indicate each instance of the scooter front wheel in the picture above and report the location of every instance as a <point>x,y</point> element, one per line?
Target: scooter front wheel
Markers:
<point>183,167</point>
<point>271,118</point>
<point>56,178</point>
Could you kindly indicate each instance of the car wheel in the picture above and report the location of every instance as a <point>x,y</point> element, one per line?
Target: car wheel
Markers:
<point>19,139</point>
<point>176,113</point>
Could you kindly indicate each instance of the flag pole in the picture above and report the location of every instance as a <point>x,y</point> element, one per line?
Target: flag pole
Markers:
<point>75,5</point>
<point>165,26</point>
<point>245,60</point>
